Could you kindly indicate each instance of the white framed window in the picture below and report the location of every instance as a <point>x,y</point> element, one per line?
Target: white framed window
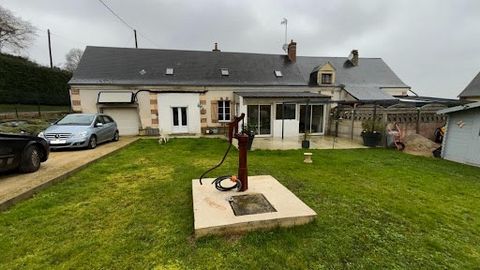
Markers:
<point>327,78</point>
<point>224,110</point>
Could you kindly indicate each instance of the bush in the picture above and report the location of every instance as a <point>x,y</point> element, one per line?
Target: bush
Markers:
<point>25,82</point>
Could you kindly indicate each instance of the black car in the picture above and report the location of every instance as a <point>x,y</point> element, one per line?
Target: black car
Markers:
<point>22,152</point>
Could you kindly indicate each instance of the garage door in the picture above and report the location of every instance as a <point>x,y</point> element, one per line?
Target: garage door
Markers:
<point>126,118</point>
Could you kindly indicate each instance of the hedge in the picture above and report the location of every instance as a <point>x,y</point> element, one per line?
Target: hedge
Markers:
<point>25,82</point>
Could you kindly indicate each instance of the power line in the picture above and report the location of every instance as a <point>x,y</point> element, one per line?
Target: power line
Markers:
<point>127,24</point>
<point>116,15</point>
<point>146,38</point>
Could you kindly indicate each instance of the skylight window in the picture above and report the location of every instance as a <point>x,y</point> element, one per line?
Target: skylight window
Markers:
<point>142,72</point>
<point>278,73</point>
<point>169,71</point>
<point>224,71</point>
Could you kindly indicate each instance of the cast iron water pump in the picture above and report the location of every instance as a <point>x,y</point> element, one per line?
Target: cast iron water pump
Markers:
<point>241,181</point>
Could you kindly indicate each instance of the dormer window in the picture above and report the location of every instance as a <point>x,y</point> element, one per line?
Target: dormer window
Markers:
<point>327,78</point>
<point>278,73</point>
<point>169,71</point>
<point>224,71</point>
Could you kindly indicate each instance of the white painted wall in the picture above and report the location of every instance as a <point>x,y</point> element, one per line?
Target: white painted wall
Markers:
<point>462,142</point>
<point>168,100</point>
<point>88,99</point>
<point>290,128</point>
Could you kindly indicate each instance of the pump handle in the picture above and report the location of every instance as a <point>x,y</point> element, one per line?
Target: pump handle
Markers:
<point>233,127</point>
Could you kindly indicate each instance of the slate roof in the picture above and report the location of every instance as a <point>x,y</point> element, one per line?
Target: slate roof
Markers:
<point>125,66</point>
<point>473,88</point>
<point>368,92</point>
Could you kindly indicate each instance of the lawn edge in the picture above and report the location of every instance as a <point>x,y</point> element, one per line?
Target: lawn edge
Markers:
<point>5,205</point>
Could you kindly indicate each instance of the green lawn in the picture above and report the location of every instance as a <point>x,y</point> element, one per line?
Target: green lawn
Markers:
<point>377,209</point>
<point>7,108</point>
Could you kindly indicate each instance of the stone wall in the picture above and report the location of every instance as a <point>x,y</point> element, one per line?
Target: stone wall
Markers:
<point>411,120</point>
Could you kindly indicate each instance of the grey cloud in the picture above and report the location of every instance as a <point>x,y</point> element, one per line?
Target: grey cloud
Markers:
<point>431,44</point>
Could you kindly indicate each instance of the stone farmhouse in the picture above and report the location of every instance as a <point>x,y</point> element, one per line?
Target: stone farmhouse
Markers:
<point>198,92</point>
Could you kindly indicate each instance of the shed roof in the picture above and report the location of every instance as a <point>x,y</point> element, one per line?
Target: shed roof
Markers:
<point>460,108</point>
<point>472,89</point>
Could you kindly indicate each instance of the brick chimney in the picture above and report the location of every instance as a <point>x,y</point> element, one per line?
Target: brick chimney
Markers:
<point>292,51</point>
<point>353,57</point>
<point>215,49</point>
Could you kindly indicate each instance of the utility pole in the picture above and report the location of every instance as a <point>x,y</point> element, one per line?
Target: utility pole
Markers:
<point>135,33</point>
<point>50,48</point>
<point>285,45</point>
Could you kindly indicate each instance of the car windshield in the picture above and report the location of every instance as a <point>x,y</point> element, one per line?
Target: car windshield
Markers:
<point>76,120</point>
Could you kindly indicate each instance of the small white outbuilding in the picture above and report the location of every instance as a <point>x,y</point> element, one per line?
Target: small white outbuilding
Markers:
<point>461,142</point>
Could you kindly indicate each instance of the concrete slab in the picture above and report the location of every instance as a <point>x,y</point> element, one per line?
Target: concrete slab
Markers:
<point>17,187</point>
<point>213,213</point>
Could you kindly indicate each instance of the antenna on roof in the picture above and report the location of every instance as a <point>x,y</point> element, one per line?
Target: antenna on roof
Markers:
<point>285,45</point>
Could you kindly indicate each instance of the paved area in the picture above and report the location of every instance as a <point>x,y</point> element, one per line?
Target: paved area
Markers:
<point>214,215</point>
<point>17,187</point>
<point>316,142</point>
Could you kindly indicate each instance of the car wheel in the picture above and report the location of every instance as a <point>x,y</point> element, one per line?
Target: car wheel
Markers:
<point>30,159</point>
<point>92,143</point>
<point>116,136</point>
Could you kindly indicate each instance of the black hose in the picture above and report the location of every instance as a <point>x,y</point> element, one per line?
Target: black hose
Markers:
<point>218,183</point>
<point>216,166</point>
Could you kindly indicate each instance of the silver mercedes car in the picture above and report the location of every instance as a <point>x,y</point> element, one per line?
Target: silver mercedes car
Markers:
<point>81,130</point>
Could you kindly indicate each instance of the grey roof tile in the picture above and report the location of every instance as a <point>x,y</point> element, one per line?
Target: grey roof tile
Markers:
<point>125,66</point>
<point>473,88</point>
<point>368,92</point>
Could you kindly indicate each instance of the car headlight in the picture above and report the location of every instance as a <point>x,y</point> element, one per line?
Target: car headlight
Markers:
<point>41,135</point>
<point>83,134</point>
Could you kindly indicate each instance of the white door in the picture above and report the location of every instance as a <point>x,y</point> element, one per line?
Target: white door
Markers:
<point>127,119</point>
<point>179,120</point>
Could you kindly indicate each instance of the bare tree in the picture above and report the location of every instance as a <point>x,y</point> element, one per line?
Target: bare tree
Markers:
<point>73,58</point>
<point>15,33</point>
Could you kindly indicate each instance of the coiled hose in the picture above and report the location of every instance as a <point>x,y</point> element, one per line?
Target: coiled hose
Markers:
<point>216,166</point>
<point>218,180</point>
<point>218,183</point>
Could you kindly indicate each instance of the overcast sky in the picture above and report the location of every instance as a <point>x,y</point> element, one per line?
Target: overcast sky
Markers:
<point>432,45</point>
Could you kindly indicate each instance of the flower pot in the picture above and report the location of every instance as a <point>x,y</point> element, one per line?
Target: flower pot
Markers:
<point>305,144</point>
<point>371,139</point>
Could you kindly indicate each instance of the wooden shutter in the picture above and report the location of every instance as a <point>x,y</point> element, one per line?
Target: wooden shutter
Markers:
<point>214,111</point>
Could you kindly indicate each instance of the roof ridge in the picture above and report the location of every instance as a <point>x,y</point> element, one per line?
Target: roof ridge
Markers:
<point>225,52</point>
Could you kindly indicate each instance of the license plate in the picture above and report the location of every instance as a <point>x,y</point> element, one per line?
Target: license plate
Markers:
<point>58,142</point>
